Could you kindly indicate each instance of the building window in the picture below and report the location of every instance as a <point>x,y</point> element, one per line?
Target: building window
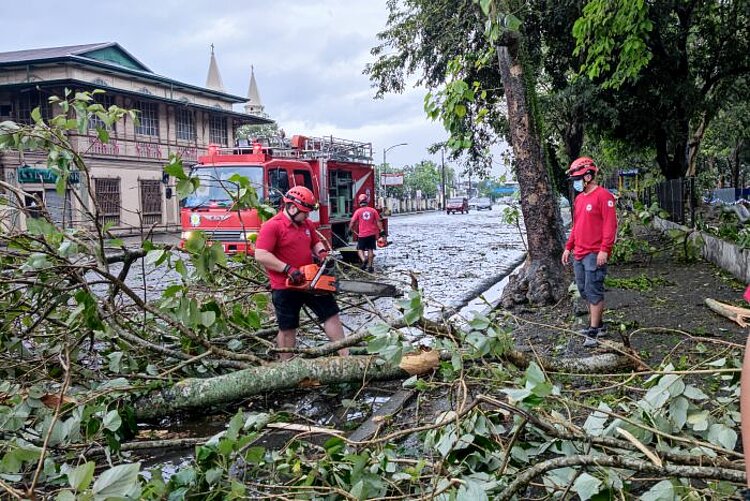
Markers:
<point>27,101</point>
<point>185,124</point>
<point>95,122</point>
<point>148,118</point>
<point>107,192</point>
<point>151,201</point>
<point>217,130</point>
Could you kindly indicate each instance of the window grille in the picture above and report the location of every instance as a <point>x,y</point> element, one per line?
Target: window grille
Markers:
<point>94,121</point>
<point>148,118</point>
<point>151,201</point>
<point>107,192</point>
<point>30,100</point>
<point>217,130</point>
<point>185,124</point>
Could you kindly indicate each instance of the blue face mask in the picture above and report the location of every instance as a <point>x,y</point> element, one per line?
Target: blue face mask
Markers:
<point>578,185</point>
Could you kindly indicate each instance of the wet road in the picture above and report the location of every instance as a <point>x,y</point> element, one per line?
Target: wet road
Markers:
<point>453,257</point>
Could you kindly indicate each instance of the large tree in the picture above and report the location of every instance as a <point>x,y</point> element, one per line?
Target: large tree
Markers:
<point>666,68</point>
<point>478,77</point>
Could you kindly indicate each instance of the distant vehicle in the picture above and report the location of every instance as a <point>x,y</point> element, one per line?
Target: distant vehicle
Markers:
<point>457,205</point>
<point>480,203</point>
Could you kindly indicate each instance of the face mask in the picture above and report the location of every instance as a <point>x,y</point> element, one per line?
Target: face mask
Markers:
<point>578,185</point>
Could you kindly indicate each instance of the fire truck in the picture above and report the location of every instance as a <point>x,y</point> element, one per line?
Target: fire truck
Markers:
<point>336,170</point>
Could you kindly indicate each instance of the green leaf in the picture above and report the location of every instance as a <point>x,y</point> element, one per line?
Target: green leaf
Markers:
<point>586,486</point>
<point>65,495</point>
<point>534,374</point>
<point>208,318</point>
<point>663,491</point>
<point>36,115</point>
<point>175,169</point>
<point>116,482</point>
<point>678,409</point>
<point>722,435</point>
<point>698,420</point>
<point>471,490</point>
<point>512,23</point>
<point>80,478</point>
<point>154,256</point>
<point>112,421</point>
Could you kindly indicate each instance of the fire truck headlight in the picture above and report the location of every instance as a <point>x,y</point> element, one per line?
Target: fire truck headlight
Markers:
<point>185,235</point>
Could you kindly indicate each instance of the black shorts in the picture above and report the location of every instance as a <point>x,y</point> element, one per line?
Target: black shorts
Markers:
<point>367,243</point>
<point>289,302</point>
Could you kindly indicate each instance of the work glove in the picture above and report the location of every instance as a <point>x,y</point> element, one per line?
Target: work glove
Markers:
<point>382,233</point>
<point>295,276</point>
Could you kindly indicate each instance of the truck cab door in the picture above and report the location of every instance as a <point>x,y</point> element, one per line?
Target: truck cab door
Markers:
<point>278,185</point>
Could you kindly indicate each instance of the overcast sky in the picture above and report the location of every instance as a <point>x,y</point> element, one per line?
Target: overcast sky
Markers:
<point>308,57</point>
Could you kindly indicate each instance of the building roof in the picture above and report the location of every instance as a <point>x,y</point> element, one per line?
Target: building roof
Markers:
<point>97,51</point>
<point>110,56</point>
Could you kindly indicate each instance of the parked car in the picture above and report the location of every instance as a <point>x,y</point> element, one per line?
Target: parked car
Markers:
<point>480,203</point>
<point>457,205</point>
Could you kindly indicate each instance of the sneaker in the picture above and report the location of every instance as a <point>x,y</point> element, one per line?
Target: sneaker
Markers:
<point>590,342</point>
<point>597,331</point>
<point>364,266</point>
<point>371,269</point>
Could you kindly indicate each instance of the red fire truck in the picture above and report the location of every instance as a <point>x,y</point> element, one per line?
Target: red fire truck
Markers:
<point>336,170</point>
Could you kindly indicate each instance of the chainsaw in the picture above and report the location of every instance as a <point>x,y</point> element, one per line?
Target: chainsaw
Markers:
<point>317,281</point>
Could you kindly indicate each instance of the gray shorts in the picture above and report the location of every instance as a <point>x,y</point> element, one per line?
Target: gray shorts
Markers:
<point>590,278</point>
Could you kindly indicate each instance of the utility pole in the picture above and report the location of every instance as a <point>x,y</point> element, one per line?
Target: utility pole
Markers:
<point>442,168</point>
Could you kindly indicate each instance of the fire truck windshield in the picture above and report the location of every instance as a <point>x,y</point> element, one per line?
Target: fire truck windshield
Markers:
<point>215,187</point>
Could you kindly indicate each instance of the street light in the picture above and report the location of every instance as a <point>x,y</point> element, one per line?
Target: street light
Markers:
<point>385,151</point>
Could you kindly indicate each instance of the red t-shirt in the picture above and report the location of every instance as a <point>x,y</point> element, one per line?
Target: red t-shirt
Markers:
<point>368,218</point>
<point>594,223</point>
<point>289,242</point>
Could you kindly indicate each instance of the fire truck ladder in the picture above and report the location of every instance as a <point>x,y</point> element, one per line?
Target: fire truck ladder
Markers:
<point>334,148</point>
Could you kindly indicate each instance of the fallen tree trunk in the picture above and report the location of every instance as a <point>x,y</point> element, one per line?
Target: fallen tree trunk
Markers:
<point>593,364</point>
<point>200,393</point>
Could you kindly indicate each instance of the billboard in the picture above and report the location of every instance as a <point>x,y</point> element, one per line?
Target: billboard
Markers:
<point>392,179</point>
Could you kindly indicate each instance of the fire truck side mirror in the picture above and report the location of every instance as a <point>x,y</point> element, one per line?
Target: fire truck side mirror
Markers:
<point>168,192</point>
<point>164,178</point>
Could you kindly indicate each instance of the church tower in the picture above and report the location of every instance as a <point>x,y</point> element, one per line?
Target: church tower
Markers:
<point>253,106</point>
<point>213,81</point>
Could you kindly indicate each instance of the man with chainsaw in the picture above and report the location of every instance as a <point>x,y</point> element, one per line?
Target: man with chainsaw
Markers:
<point>286,242</point>
<point>369,229</point>
<point>591,240</point>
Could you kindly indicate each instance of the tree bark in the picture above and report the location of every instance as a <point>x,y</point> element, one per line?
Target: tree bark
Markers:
<point>193,393</point>
<point>540,281</point>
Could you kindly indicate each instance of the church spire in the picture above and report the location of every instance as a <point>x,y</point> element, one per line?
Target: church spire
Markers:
<point>253,106</point>
<point>214,81</point>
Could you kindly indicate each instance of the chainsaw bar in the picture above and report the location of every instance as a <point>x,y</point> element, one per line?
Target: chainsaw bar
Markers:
<point>367,288</point>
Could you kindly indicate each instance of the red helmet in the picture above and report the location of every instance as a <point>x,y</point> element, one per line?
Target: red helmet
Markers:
<point>302,198</point>
<point>382,242</point>
<point>581,166</point>
<point>362,199</point>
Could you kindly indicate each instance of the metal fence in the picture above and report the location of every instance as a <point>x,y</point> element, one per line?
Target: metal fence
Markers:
<point>677,197</point>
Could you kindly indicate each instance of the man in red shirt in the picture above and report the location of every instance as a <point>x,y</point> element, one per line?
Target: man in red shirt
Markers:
<point>286,242</point>
<point>591,240</point>
<point>369,226</point>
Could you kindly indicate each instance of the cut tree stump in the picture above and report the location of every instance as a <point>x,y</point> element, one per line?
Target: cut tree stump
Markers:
<point>741,316</point>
